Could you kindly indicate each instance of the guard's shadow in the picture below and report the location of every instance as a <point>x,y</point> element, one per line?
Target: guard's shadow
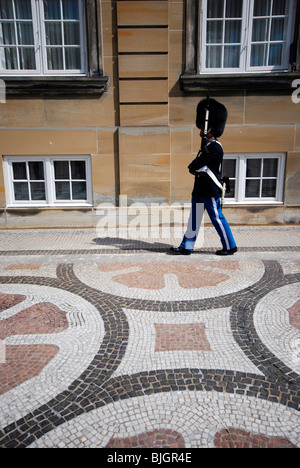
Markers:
<point>132,244</point>
<point>136,244</point>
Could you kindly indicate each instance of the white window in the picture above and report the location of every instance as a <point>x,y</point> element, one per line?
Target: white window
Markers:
<point>45,37</point>
<point>48,181</point>
<point>246,35</point>
<point>255,178</point>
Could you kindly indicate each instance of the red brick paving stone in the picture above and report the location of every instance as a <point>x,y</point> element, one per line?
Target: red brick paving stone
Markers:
<point>23,362</point>
<point>42,318</point>
<point>181,337</point>
<point>116,266</point>
<point>9,300</point>
<point>160,438</point>
<point>295,315</point>
<point>238,438</point>
<point>151,275</point>
<point>2,352</point>
<point>23,266</point>
<point>230,265</point>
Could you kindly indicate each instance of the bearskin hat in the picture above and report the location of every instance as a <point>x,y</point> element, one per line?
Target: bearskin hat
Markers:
<point>217,116</point>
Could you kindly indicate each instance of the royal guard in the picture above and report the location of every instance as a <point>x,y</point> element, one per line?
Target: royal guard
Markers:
<point>208,187</point>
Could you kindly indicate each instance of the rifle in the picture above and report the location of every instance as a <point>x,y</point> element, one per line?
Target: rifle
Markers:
<point>205,131</point>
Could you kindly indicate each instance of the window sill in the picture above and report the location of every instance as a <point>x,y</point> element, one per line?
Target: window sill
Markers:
<point>253,203</point>
<point>252,81</point>
<point>39,207</point>
<point>55,86</point>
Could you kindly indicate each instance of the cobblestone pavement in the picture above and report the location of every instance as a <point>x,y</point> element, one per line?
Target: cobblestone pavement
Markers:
<point>114,343</point>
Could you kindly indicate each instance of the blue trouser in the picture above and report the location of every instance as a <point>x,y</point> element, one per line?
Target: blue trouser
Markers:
<point>214,210</point>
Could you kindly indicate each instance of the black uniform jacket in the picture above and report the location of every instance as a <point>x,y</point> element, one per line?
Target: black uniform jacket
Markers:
<point>212,157</point>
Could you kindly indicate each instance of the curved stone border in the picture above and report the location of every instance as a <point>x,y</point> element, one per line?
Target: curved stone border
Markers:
<point>197,418</point>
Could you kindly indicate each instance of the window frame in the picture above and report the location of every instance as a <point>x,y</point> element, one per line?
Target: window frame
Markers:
<point>240,176</point>
<point>83,45</point>
<point>49,178</point>
<point>94,83</point>
<point>39,33</point>
<point>202,48</point>
<point>285,65</point>
<point>37,70</point>
<point>26,180</point>
<point>192,81</point>
<point>246,35</point>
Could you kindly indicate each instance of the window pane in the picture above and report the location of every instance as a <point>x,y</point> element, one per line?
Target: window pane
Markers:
<point>70,9</point>
<point>233,32</point>
<point>79,190</point>
<point>229,170</point>
<point>73,58</point>
<point>37,191</point>
<point>21,191</point>
<point>61,169</point>
<point>6,9</point>
<point>52,9</point>
<point>253,168</point>
<point>36,170</point>
<point>231,193</point>
<point>231,56</point>
<point>7,33</point>
<point>214,57</point>
<point>23,9</point>
<point>252,188</point>
<point>9,61</point>
<point>72,33</point>
<point>62,190</point>
<point>234,8</point>
<point>258,55</point>
<point>270,167</point>
<point>78,169</point>
<point>214,34</point>
<point>19,171</point>
<point>27,58</point>
<point>269,188</point>
<point>275,55</point>
<point>53,33</point>
<point>229,167</point>
<point>279,7</point>
<point>262,7</point>
<point>277,29</point>
<point>260,32</point>
<point>215,8</point>
<point>55,58</point>
<point>25,33</point>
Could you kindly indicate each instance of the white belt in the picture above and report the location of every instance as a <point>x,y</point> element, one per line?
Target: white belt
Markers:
<point>211,175</point>
<point>216,181</point>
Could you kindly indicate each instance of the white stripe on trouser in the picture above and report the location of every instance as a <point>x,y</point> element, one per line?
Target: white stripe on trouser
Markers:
<point>193,226</point>
<point>195,220</point>
<point>220,223</point>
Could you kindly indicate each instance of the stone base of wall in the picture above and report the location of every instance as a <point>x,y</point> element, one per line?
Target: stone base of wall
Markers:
<point>139,215</point>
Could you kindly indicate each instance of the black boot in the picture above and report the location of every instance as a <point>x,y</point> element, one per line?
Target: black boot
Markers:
<point>180,251</point>
<point>226,252</point>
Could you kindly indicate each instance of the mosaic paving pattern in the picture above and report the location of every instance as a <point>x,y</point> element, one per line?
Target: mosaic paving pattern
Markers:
<point>150,351</point>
